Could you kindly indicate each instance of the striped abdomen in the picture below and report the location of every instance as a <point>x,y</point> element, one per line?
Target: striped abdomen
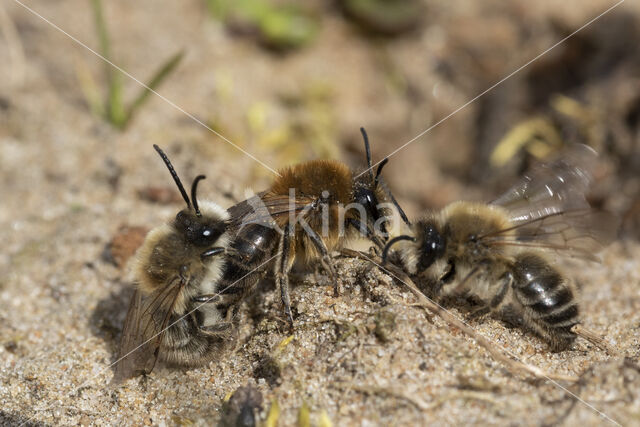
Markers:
<point>186,342</point>
<point>249,250</point>
<point>548,301</point>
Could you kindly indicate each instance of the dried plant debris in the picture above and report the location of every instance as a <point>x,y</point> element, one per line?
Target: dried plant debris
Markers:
<point>161,195</point>
<point>579,94</point>
<point>124,244</point>
<point>273,415</point>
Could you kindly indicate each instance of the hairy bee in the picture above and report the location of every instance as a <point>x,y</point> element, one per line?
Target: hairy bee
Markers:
<point>172,314</point>
<point>310,210</point>
<point>194,271</point>
<point>498,254</point>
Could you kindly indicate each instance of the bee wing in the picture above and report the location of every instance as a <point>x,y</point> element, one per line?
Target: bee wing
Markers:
<point>553,187</point>
<point>577,233</point>
<point>142,333</point>
<point>246,207</point>
<point>267,209</point>
<point>549,209</point>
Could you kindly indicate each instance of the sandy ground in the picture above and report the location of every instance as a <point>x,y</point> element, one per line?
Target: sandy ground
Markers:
<point>368,357</point>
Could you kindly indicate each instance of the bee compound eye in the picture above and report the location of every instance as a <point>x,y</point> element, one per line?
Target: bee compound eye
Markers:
<point>432,247</point>
<point>207,234</point>
<point>368,201</point>
<point>370,198</point>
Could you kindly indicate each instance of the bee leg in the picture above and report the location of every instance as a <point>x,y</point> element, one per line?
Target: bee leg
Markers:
<point>216,330</point>
<point>327,263</point>
<point>478,313</point>
<point>282,273</point>
<point>207,298</point>
<point>221,300</point>
<point>231,313</point>
<point>212,252</point>
<point>326,260</point>
<point>505,281</point>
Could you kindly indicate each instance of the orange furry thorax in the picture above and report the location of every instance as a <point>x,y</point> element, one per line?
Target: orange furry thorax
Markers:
<point>311,178</point>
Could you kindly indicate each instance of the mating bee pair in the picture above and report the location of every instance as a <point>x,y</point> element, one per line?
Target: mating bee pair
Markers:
<point>193,272</point>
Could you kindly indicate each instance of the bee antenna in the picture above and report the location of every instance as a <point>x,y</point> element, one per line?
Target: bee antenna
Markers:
<point>379,171</point>
<point>391,242</point>
<point>367,150</point>
<point>194,187</point>
<point>174,174</point>
<point>403,215</point>
<point>376,181</point>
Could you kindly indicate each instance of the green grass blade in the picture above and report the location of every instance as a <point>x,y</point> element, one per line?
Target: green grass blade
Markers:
<point>219,8</point>
<point>103,33</point>
<point>115,111</point>
<point>160,75</point>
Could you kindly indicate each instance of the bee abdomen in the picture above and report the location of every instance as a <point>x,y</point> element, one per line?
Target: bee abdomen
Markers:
<point>547,298</point>
<point>252,247</point>
<point>186,344</point>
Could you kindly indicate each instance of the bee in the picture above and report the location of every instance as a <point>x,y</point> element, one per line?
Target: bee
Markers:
<point>504,255</point>
<point>194,271</point>
<point>310,210</point>
<point>172,314</point>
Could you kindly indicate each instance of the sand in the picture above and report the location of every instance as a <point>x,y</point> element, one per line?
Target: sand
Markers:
<point>370,356</point>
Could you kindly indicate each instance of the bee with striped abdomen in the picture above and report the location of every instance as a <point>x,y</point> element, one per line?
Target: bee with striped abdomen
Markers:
<point>310,210</point>
<point>173,313</point>
<point>502,254</point>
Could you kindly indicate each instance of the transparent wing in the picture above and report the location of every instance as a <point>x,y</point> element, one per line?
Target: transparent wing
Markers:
<point>142,332</point>
<point>552,187</point>
<point>239,211</point>
<point>268,210</point>
<point>549,210</point>
<point>577,233</point>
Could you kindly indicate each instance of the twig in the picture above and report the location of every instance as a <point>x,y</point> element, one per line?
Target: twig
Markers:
<point>389,391</point>
<point>595,339</point>
<point>465,394</point>
<point>497,352</point>
<point>421,405</point>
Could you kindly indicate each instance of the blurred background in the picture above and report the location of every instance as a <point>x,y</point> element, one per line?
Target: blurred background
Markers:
<point>290,81</point>
<point>286,81</point>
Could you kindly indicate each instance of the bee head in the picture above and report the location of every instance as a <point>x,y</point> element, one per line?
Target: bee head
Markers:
<point>367,198</point>
<point>368,194</point>
<point>428,245</point>
<point>431,244</point>
<point>197,229</point>
<point>201,231</point>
